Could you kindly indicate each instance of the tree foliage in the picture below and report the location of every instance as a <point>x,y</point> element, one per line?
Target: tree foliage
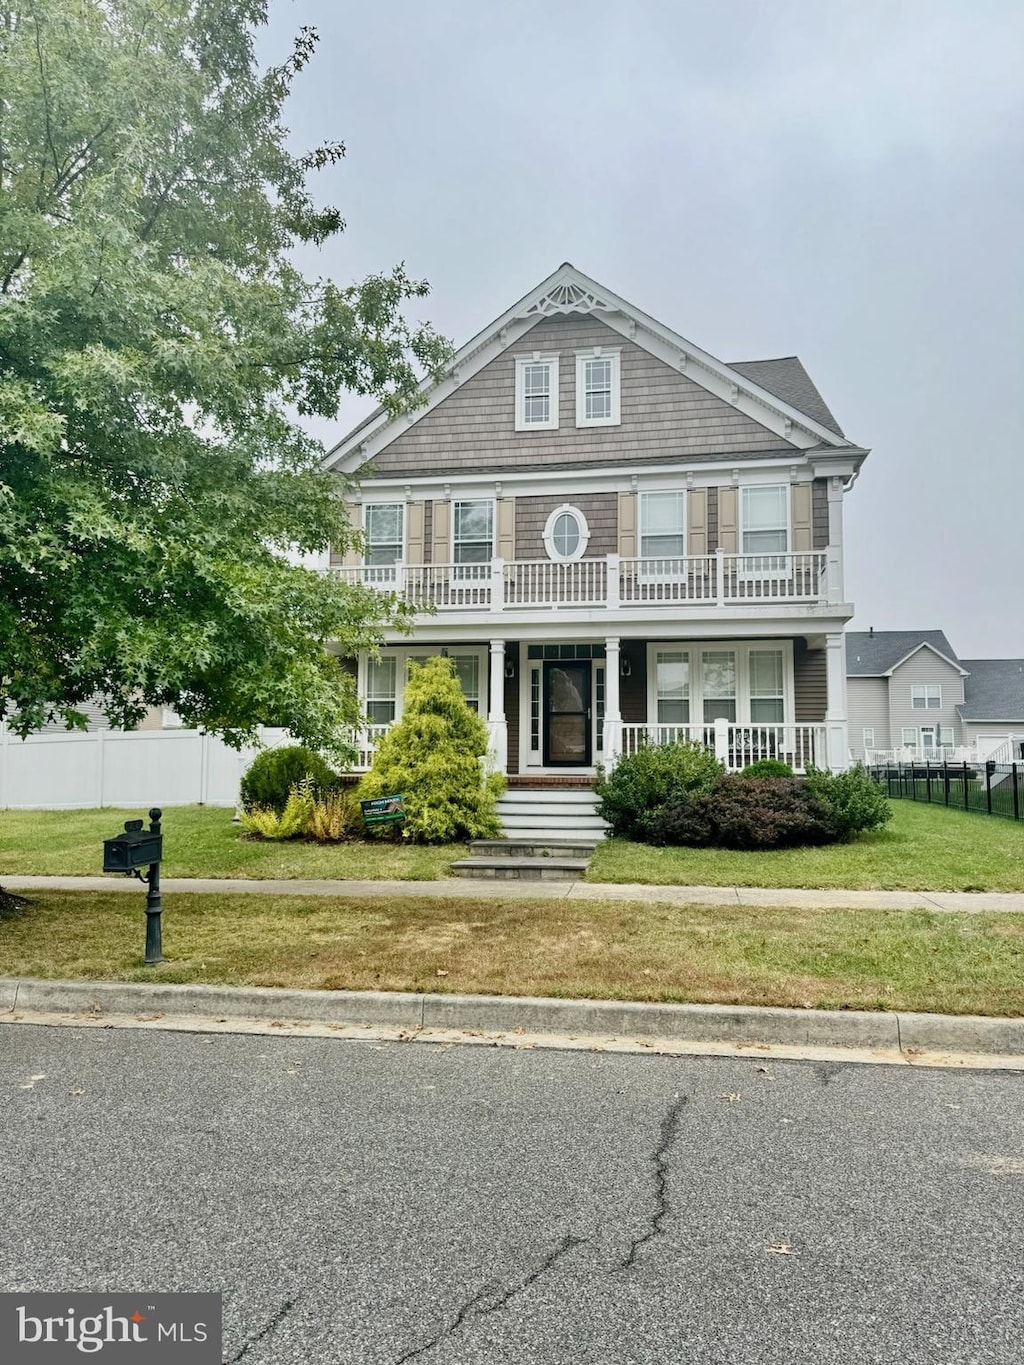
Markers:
<point>432,758</point>
<point>158,348</point>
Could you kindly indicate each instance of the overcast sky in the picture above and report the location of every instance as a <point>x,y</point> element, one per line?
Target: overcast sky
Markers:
<point>837,179</point>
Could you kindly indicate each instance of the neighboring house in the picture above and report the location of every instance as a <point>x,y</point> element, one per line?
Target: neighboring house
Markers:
<point>621,538</point>
<point>910,696</point>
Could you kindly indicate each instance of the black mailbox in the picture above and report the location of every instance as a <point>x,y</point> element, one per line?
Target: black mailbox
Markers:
<point>136,847</point>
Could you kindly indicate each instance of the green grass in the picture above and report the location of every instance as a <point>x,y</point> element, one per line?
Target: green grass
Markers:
<point>923,848</point>
<point>826,959</point>
<point>201,841</point>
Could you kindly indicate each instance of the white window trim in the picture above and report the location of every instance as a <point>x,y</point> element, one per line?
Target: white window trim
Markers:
<point>471,570</point>
<point>537,358</point>
<point>924,689</point>
<point>403,653</point>
<point>599,353</point>
<point>742,528</point>
<point>644,494</point>
<point>742,649</point>
<point>386,572</point>
<point>867,744</point>
<point>549,534</point>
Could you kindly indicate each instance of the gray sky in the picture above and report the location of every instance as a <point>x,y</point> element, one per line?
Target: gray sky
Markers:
<point>837,179</point>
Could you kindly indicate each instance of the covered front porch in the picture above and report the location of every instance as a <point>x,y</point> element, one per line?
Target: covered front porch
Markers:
<point>563,708</point>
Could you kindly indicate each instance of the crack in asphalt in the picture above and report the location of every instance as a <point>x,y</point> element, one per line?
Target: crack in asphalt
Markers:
<point>486,1294</point>
<point>271,1326</point>
<point>669,1132</point>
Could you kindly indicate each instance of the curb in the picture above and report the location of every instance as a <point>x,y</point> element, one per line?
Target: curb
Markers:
<point>721,1024</point>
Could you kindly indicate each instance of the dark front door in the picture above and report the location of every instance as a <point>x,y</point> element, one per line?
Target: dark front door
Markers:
<point>567,714</point>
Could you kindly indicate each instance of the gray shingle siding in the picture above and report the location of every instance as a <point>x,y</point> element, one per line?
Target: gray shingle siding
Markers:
<point>664,415</point>
<point>600,510</point>
<point>810,685</point>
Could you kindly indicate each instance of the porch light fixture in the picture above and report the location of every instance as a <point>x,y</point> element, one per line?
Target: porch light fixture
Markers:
<point>510,668</point>
<point>625,667</point>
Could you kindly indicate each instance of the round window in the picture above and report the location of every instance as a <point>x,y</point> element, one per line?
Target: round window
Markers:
<point>566,534</point>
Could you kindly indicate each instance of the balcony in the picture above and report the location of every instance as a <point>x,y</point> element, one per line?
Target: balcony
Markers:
<point>614,583</point>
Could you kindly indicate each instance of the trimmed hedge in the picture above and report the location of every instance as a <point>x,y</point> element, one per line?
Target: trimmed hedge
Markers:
<point>272,775</point>
<point>656,775</point>
<point>767,767</point>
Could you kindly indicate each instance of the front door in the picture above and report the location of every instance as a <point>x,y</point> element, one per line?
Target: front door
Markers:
<point>567,727</point>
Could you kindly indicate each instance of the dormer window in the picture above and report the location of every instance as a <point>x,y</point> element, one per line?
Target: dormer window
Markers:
<point>537,393</point>
<point>597,388</point>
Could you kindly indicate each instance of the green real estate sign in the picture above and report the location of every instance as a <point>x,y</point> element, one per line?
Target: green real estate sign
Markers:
<point>382,810</point>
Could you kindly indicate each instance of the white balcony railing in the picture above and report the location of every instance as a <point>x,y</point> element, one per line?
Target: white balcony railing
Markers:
<point>716,580</point>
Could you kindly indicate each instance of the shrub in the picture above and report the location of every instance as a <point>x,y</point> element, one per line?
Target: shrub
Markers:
<point>767,812</point>
<point>682,824</point>
<point>334,815</point>
<point>854,800</point>
<point>432,758</point>
<point>645,781</point>
<point>273,773</point>
<point>767,767</point>
<point>265,822</point>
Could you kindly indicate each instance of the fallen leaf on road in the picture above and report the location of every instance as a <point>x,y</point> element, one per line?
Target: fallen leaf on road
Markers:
<point>147,1018</point>
<point>782,1249</point>
<point>76,1092</point>
<point>733,1098</point>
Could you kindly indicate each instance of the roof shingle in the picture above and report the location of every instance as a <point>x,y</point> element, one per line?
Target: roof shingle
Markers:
<point>787,379</point>
<point>870,654</point>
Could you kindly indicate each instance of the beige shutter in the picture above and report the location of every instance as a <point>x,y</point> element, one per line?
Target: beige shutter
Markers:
<point>801,511</point>
<point>728,520</point>
<point>506,529</point>
<point>352,557</point>
<point>442,535</point>
<point>697,522</point>
<point>414,533</point>
<point>627,525</point>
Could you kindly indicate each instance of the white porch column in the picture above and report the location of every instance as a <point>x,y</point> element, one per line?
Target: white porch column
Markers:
<point>834,555</point>
<point>612,713</point>
<point>496,724</point>
<point>836,728</point>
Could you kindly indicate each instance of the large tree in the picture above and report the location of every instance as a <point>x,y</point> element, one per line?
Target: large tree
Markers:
<point>159,348</point>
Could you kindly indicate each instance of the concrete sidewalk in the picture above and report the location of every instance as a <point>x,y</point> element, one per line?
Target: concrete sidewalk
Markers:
<point>466,888</point>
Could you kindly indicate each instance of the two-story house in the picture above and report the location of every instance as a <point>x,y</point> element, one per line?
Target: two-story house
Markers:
<point>616,538</point>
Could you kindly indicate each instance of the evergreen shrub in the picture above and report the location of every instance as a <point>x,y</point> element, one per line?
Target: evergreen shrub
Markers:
<point>432,757</point>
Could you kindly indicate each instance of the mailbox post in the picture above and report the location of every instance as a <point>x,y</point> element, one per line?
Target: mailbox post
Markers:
<point>127,853</point>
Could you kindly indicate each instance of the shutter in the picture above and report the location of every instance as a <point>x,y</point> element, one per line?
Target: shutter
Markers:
<point>442,537</point>
<point>627,525</point>
<point>414,533</point>
<point>728,520</point>
<point>506,529</point>
<point>697,521</point>
<point>801,512</point>
<point>352,556</point>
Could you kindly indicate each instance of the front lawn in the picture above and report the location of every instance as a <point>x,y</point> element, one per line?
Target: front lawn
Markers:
<point>833,959</point>
<point>201,841</point>
<point>923,848</point>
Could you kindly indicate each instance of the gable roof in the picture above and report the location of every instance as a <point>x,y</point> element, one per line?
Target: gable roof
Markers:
<point>993,689</point>
<point>787,378</point>
<point>874,654</point>
<point>569,290</point>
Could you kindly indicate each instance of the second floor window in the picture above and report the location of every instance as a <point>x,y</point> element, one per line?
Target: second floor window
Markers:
<point>536,393</point>
<point>383,524</point>
<point>926,696</point>
<point>765,520</point>
<point>473,532</point>
<point>662,525</point>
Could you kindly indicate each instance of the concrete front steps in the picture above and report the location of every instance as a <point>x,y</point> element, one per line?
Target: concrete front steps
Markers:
<point>550,833</point>
<point>530,858</point>
<point>564,813</point>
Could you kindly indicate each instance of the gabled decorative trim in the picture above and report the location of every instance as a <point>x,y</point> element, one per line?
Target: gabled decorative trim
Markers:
<point>566,291</point>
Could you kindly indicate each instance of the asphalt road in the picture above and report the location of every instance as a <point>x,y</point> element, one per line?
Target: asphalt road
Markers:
<point>363,1202</point>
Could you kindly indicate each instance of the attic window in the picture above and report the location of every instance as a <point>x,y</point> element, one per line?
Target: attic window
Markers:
<point>537,393</point>
<point>597,388</point>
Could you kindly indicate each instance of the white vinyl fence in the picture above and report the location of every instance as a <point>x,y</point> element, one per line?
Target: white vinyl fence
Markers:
<point>143,768</point>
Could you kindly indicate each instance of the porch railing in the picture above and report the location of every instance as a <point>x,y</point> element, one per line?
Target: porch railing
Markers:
<point>612,582</point>
<point>801,746</point>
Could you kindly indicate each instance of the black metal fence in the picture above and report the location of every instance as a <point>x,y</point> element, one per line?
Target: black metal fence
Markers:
<point>991,788</point>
